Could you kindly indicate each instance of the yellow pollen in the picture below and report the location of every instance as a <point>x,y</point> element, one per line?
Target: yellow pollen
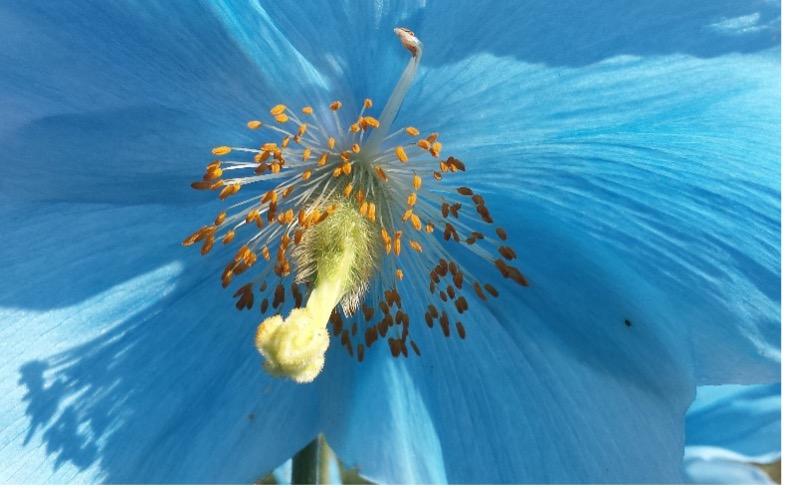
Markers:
<point>302,129</point>
<point>322,159</point>
<point>346,168</point>
<point>354,128</point>
<point>337,172</point>
<point>412,131</point>
<point>364,209</point>
<point>306,154</point>
<point>355,148</point>
<point>270,146</point>
<point>371,122</point>
<point>331,143</point>
<point>282,118</point>
<point>412,199</point>
<point>416,182</point>
<point>406,215</point>
<point>372,211</point>
<point>380,173</point>
<point>336,105</point>
<point>347,190</point>
<point>222,150</point>
<point>402,157</point>
<point>278,109</point>
<point>416,246</point>
<point>436,148</point>
<point>399,274</point>
<point>254,124</point>
<point>307,110</point>
<point>429,228</point>
<point>416,222</point>
<point>307,174</point>
<point>275,167</point>
<point>385,235</point>
<point>368,103</point>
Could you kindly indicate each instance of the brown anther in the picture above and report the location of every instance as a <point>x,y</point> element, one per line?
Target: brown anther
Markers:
<point>501,233</point>
<point>336,105</point>
<point>432,137</point>
<point>478,200</point>
<point>437,176</point>
<point>478,291</point>
<point>443,296</point>
<point>455,164</point>
<point>279,296</point>
<point>395,347</point>
<point>450,291</point>
<point>461,304</point>
<point>414,347</point>
<point>354,329</point>
<point>428,320</point>
<point>507,252</point>
<point>444,322</point>
<point>367,312</point>
<point>266,253</point>
<point>246,297</point>
<point>491,290</point>
<point>265,304</point>
<point>454,209</point>
<point>464,190</point>
<point>360,353</point>
<point>461,330</point>
<point>445,210</point>
<point>201,185</point>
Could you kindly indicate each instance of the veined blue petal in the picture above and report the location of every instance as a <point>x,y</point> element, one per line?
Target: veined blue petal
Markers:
<point>668,166</point>
<point>122,364</point>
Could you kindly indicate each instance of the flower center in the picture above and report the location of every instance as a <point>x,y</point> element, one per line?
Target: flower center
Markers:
<point>351,213</point>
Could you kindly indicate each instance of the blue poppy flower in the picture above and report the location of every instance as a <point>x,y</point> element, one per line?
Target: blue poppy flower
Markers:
<point>630,152</point>
<point>732,432</point>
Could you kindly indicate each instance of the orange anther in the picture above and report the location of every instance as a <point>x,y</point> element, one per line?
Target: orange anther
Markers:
<point>282,118</point>
<point>278,109</point>
<point>336,105</point>
<point>424,144</point>
<point>416,182</point>
<point>412,131</point>
<point>322,159</point>
<point>355,148</point>
<point>347,190</point>
<point>254,124</point>
<point>371,122</point>
<point>331,143</point>
<point>346,168</point>
<point>307,154</point>
<point>402,157</point>
<point>399,273</point>
<point>229,237</point>
<point>411,199</point>
<point>307,174</point>
<point>222,150</point>
<point>368,103</point>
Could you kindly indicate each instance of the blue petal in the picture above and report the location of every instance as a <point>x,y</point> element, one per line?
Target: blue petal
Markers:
<point>123,365</point>
<point>666,166</point>
<point>733,424</point>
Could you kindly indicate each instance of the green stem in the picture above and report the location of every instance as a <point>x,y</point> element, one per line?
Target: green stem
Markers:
<point>310,465</point>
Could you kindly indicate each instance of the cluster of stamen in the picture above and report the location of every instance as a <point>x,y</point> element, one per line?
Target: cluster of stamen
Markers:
<point>310,169</point>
